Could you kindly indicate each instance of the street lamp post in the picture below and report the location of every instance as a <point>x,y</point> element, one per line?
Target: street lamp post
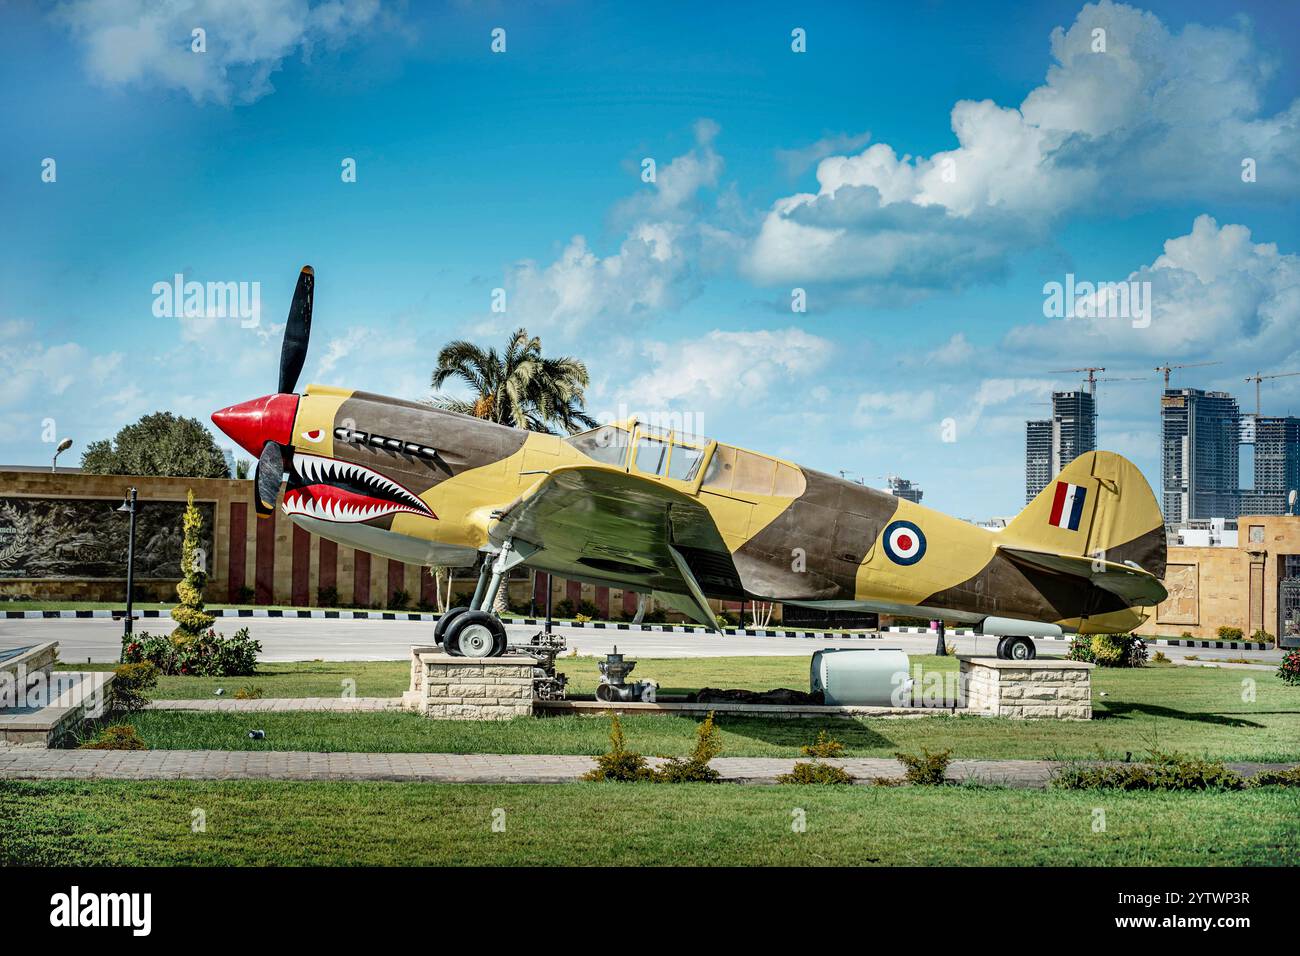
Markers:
<point>63,446</point>
<point>128,507</point>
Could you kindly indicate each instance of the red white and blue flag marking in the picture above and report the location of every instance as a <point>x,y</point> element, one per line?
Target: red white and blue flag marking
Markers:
<point>1067,505</point>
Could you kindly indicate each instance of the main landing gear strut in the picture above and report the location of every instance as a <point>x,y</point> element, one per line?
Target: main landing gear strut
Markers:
<point>476,631</point>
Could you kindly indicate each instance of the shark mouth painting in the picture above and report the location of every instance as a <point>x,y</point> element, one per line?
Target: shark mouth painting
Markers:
<point>342,491</point>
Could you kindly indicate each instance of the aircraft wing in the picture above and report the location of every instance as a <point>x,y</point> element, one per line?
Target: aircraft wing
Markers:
<point>598,523</point>
<point>1137,587</point>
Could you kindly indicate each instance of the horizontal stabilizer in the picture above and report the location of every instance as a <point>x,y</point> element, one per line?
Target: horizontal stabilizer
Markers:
<point>1138,588</point>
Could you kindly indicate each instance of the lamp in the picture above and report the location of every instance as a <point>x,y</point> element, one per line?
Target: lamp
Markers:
<point>63,446</point>
<point>128,507</point>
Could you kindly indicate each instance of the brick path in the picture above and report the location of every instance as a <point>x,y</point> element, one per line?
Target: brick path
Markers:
<point>278,704</point>
<point>24,763</point>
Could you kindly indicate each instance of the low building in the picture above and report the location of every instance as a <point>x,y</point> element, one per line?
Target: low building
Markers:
<point>1249,579</point>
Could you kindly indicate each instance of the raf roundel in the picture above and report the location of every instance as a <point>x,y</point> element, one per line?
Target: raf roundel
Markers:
<point>904,542</point>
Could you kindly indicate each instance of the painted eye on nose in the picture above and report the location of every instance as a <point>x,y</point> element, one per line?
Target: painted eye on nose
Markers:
<point>314,436</point>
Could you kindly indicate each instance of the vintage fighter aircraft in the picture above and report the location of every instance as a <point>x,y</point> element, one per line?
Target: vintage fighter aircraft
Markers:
<point>685,518</point>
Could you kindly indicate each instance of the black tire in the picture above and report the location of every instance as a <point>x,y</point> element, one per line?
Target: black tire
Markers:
<point>440,627</point>
<point>1002,647</point>
<point>1021,649</point>
<point>475,634</point>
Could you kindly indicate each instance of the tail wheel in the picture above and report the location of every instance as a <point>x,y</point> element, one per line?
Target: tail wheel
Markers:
<point>1020,649</point>
<point>475,634</point>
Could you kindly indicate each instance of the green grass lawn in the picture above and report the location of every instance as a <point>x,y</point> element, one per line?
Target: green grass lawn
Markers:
<point>1193,710</point>
<point>257,823</point>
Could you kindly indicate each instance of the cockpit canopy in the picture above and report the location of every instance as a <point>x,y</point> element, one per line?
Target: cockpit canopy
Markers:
<point>681,456</point>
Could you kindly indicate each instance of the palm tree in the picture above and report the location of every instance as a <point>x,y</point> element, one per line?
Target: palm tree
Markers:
<point>519,387</point>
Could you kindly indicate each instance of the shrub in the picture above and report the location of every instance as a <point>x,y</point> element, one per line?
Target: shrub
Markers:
<point>191,620</point>
<point>1163,772</point>
<point>1187,636</point>
<point>1080,649</point>
<point>824,746</point>
<point>327,597</point>
<point>249,692</point>
<point>1289,668</point>
<point>588,609</point>
<point>582,618</point>
<point>815,773</point>
<point>619,763</point>
<point>1263,636</point>
<point>117,737</point>
<point>564,609</point>
<point>1276,778</point>
<point>726,619</point>
<point>657,616</point>
<point>1159,657</point>
<point>925,770</point>
<point>695,768</point>
<point>1229,633</point>
<point>131,685</point>
<point>245,595</point>
<point>1118,650</point>
<point>209,655</point>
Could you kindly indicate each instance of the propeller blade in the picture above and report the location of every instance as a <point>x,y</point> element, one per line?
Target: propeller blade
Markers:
<point>297,332</point>
<point>266,481</point>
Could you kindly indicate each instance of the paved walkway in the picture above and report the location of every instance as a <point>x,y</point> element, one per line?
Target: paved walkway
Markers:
<point>24,763</point>
<point>277,704</point>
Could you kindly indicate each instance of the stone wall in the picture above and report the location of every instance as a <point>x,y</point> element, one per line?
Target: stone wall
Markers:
<point>1036,689</point>
<point>469,688</point>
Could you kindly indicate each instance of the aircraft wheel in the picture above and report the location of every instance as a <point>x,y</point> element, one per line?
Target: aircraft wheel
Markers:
<point>1002,648</point>
<point>1020,649</point>
<point>475,634</point>
<point>440,628</point>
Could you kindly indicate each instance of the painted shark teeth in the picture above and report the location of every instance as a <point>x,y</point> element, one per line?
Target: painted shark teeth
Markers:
<point>378,495</point>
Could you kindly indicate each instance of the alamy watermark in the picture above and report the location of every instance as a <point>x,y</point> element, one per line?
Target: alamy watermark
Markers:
<point>214,300</point>
<point>1098,300</point>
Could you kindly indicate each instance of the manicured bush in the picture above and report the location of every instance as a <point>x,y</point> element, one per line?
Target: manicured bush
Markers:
<point>695,768</point>
<point>1162,772</point>
<point>1081,649</point>
<point>804,772</point>
<point>1276,778</point>
<point>131,684</point>
<point>926,770</point>
<point>619,763</point>
<point>824,746</point>
<point>208,655</point>
<point>564,609</point>
<point>1118,650</point>
<point>191,620</point>
<point>1263,636</point>
<point>1229,633</point>
<point>117,737</point>
<point>400,600</point>
<point>1289,668</point>
<point>327,596</point>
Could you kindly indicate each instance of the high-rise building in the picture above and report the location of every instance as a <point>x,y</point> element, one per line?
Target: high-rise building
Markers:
<point>1200,434</point>
<point>1038,457</point>
<point>1052,444</point>
<point>1277,463</point>
<point>902,488</point>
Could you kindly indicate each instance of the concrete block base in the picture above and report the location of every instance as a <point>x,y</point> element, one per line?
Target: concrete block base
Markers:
<point>469,688</point>
<point>1028,690</point>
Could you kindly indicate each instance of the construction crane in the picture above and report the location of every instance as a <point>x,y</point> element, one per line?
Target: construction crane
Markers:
<point>1167,368</point>
<point>1257,378</point>
<point>1092,371</point>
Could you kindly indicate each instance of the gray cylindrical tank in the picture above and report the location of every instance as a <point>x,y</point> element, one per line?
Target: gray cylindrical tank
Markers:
<point>861,676</point>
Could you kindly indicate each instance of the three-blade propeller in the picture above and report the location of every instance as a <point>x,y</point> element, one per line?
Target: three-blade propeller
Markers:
<point>293,353</point>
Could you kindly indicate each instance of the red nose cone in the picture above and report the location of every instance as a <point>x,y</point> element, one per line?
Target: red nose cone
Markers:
<point>253,424</point>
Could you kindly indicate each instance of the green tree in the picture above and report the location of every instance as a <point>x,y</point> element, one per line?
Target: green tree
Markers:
<point>518,387</point>
<point>158,444</point>
<point>191,620</point>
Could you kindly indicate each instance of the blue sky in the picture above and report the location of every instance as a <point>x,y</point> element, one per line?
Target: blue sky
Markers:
<point>920,172</point>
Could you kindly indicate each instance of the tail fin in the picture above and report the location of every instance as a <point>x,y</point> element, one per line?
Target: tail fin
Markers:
<point>1099,506</point>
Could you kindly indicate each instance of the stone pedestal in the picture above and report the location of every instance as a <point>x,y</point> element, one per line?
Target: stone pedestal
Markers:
<point>1034,689</point>
<point>469,688</point>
